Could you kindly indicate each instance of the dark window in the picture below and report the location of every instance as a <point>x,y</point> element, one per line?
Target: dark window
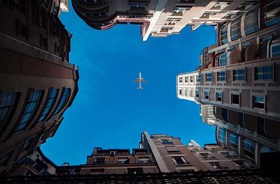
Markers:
<point>49,104</point>
<point>191,78</point>
<point>221,76</point>
<point>234,99</point>
<point>186,79</point>
<point>240,119</point>
<point>179,160</point>
<point>206,94</point>
<point>258,102</point>
<point>238,74</point>
<point>5,159</point>
<point>261,126</point>
<point>264,73</point>
<point>99,160</point>
<point>219,96</point>
<point>30,108</point>
<point>8,102</point>
<point>225,114</point>
<point>197,93</point>
<point>63,100</point>
<point>180,79</point>
<point>144,160</point>
<point>166,141</point>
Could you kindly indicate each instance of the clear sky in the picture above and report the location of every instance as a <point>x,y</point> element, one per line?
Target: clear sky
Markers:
<point>108,110</point>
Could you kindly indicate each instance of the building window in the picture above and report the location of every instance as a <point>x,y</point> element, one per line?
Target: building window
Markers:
<point>272,13</point>
<point>197,93</point>
<point>166,29</point>
<point>206,95</point>
<point>221,76</point>
<point>198,78</point>
<point>224,34</point>
<point>49,104</point>
<point>179,160</point>
<point>123,160</point>
<point>240,119</point>
<point>223,59</point>
<point>251,22</point>
<point>258,102</point>
<point>99,160</point>
<point>8,103</point>
<point>225,114</point>
<point>275,49</point>
<point>235,99</point>
<point>235,29</point>
<point>180,79</point>
<point>144,160</point>
<point>249,148</point>
<point>31,107</point>
<point>208,77</point>
<point>63,100</point>
<point>166,141</point>
<point>264,73</point>
<point>219,96</point>
<point>180,92</point>
<point>222,135</point>
<point>191,78</point>
<point>239,75</point>
<point>233,140</point>
<point>172,21</point>
<point>186,79</point>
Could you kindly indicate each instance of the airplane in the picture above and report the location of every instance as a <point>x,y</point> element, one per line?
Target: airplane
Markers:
<point>140,80</point>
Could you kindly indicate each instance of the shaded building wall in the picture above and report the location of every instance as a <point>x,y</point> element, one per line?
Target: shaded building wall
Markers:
<point>37,81</point>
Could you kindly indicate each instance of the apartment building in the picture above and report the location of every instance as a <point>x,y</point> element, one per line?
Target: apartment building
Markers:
<point>37,81</point>
<point>158,153</point>
<point>239,80</point>
<point>158,18</point>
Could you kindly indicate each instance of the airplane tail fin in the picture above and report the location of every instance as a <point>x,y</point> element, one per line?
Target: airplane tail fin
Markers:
<point>139,88</point>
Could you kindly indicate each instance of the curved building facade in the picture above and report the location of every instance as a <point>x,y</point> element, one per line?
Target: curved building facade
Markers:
<point>37,81</point>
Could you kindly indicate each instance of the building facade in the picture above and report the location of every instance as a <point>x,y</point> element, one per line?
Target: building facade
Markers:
<point>158,153</point>
<point>37,81</point>
<point>238,82</point>
<point>158,18</point>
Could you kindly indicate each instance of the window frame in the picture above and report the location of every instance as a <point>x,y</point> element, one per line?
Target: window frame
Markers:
<point>239,98</point>
<point>219,76</point>
<point>33,113</point>
<point>263,73</point>
<point>256,95</point>
<point>234,80</point>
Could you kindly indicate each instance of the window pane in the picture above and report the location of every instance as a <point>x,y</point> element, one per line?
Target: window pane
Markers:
<point>8,102</point>
<point>63,100</point>
<point>30,108</point>
<point>50,102</point>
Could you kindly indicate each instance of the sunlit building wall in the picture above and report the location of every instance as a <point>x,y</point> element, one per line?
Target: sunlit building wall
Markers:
<point>37,81</point>
<point>240,79</point>
<point>158,18</point>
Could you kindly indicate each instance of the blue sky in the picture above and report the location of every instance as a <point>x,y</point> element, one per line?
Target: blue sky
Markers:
<point>109,111</point>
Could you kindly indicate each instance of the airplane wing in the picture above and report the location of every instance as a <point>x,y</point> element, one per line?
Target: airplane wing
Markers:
<point>142,80</point>
<point>136,80</point>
